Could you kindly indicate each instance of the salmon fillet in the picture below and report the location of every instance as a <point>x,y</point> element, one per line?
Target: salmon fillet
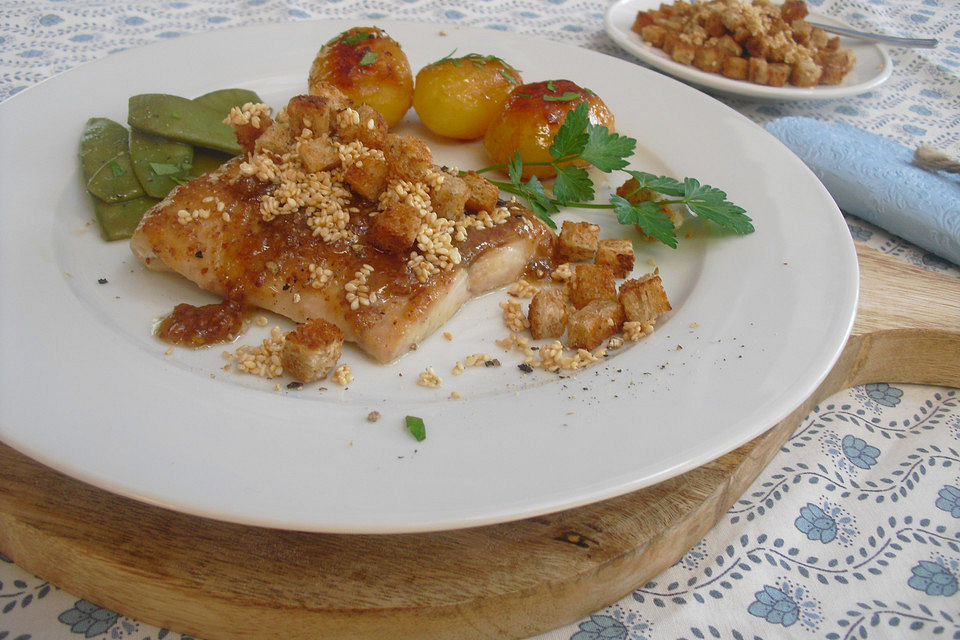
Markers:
<point>267,231</point>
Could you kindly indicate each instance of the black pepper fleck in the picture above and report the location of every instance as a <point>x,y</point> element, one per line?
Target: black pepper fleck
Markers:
<point>199,254</point>
<point>525,368</point>
<point>286,286</point>
<point>102,281</point>
<point>295,385</point>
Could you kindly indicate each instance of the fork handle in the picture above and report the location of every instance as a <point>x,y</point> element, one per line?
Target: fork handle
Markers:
<point>876,37</point>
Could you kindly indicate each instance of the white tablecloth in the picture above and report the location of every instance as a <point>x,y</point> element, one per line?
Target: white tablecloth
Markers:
<point>853,530</point>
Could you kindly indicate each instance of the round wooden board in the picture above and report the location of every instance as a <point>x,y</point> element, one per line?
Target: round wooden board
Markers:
<point>224,581</point>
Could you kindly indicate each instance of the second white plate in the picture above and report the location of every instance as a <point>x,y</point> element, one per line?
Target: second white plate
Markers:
<point>873,66</point>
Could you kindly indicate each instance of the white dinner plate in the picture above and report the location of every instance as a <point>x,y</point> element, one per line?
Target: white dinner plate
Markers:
<point>757,321</point>
<point>872,69</point>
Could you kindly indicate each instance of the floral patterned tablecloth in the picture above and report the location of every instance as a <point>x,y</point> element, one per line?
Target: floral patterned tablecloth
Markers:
<point>852,531</point>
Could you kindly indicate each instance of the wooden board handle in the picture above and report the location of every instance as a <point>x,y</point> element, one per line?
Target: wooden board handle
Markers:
<point>231,582</point>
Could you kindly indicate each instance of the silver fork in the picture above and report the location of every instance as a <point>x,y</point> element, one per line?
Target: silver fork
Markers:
<point>877,37</point>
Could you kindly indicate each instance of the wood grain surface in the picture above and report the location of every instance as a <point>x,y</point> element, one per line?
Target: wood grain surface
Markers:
<point>223,581</point>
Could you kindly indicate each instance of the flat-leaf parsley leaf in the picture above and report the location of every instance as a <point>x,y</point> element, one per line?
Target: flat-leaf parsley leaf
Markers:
<point>580,141</point>
<point>416,428</point>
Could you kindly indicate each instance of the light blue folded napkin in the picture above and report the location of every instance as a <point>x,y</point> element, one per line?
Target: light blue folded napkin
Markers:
<point>872,178</point>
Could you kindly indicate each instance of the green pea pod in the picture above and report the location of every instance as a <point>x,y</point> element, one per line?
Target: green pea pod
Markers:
<point>159,163</point>
<point>206,160</point>
<point>222,100</point>
<point>115,180</point>
<point>102,140</point>
<point>118,220</point>
<point>181,119</point>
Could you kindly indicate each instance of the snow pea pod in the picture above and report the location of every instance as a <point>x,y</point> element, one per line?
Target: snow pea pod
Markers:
<point>105,156</point>
<point>118,220</point>
<point>222,100</point>
<point>102,140</point>
<point>115,180</point>
<point>181,119</point>
<point>160,163</point>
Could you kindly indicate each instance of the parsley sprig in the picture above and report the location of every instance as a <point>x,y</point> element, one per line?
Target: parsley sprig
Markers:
<point>578,139</point>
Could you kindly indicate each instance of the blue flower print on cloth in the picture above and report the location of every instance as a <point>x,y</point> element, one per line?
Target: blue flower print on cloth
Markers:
<point>858,452</point>
<point>785,604</point>
<point>933,578</point>
<point>88,619</point>
<point>774,606</point>
<point>630,626</point>
<point>600,627</point>
<point>883,393</point>
<point>816,524</point>
<point>949,500</point>
<point>826,522</point>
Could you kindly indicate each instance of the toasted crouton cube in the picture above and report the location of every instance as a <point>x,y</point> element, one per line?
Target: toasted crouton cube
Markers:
<point>643,299</point>
<point>370,128</point>
<point>578,241</point>
<point>741,34</point>
<point>318,154</point>
<point>642,20</point>
<point>334,97</point>
<point>247,134</point>
<point>708,59</point>
<point>670,40</point>
<point>590,326</point>
<point>408,156</point>
<point>756,46</point>
<point>793,10</point>
<point>449,198</point>
<point>653,34</point>
<point>836,64</point>
<point>312,350</point>
<point>729,46</point>
<point>395,229</point>
<point>736,68</point>
<point>777,74</point>
<point>616,254</point>
<point>275,139</point>
<point>368,178</point>
<point>311,112</point>
<point>548,313</point>
<point>713,25</point>
<point>802,30</point>
<point>757,69</point>
<point>683,52</point>
<point>806,73</point>
<point>592,282</point>
<point>483,193</point>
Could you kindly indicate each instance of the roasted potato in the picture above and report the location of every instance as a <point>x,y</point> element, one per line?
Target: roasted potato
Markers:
<point>531,117</point>
<point>369,67</point>
<point>458,97</point>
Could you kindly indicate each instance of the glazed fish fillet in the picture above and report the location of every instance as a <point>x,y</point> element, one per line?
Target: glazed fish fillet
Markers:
<point>359,229</point>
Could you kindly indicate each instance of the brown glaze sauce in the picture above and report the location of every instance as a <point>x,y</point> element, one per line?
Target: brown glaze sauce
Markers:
<point>281,249</point>
<point>345,54</point>
<point>250,260</point>
<point>191,326</point>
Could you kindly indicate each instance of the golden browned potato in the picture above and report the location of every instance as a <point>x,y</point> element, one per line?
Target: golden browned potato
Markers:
<point>531,117</point>
<point>369,67</point>
<point>458,97</point>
